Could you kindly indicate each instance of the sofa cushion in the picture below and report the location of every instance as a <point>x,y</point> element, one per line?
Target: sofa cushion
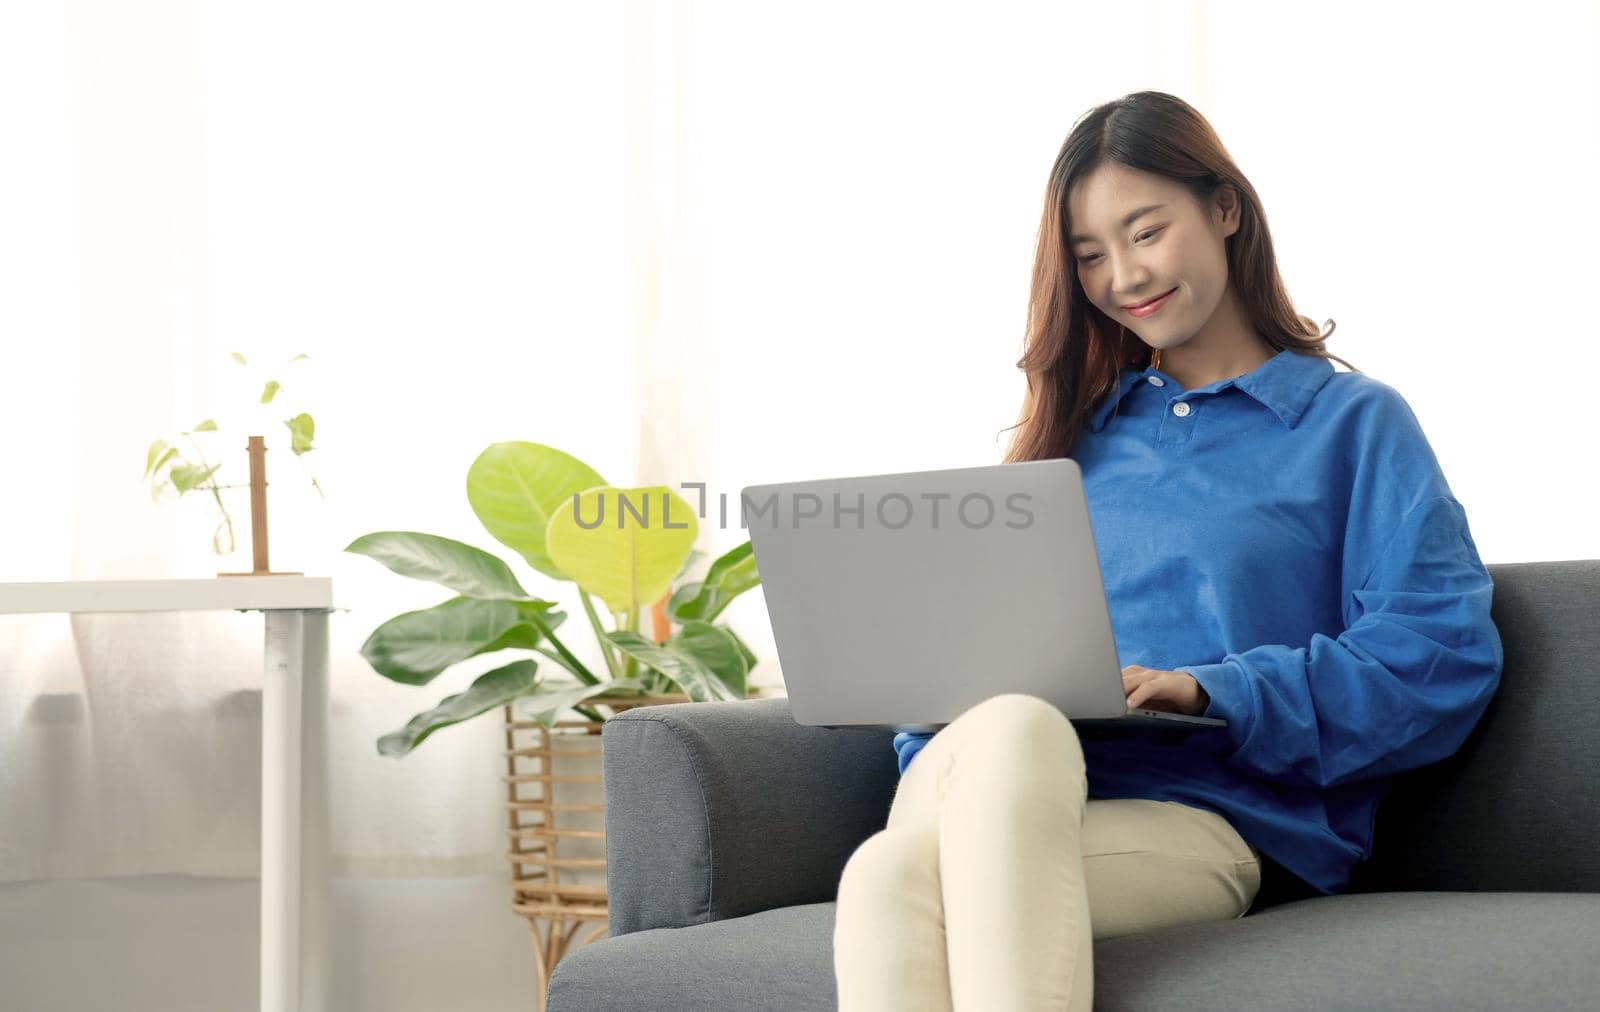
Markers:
<point>1514,809</point>
<point>1413,950</point>
<point>1417,950</point>
<point>768,962</point>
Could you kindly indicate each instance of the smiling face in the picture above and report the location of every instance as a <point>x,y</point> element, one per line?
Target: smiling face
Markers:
<point>1137,236</point>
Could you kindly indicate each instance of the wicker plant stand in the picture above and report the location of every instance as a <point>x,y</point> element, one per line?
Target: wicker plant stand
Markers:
<point>556,820</point>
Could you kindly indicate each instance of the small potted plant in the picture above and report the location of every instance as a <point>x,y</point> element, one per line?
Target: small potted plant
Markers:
<point>167,466</point>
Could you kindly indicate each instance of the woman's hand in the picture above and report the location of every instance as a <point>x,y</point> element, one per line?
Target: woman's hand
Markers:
<point>1172,691</point>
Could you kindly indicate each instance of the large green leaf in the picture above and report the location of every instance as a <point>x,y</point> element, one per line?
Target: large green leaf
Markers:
<point>749,655</point>
<point>729,576</point>
<point>415,646</point>
<point>469,571</point>
<point>492,689</point>
<point>516,487</point>
<point>689,672</point>
<point>716,648</point>
<point>630,554</point>
<point>550,700</point>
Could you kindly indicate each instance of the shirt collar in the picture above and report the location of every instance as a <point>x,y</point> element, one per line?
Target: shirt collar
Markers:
<point>1284,383</point>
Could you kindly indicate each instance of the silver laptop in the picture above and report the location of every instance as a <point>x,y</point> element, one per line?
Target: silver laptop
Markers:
<point>901,600</point>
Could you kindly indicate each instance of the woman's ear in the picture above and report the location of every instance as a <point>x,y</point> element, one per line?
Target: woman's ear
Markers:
<point>1225,209</point>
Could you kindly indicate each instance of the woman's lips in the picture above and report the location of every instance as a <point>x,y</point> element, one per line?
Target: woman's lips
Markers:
<point>1149,307</point>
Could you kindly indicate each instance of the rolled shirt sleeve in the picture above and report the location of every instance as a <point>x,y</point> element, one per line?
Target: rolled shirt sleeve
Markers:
<point>1401,687</point>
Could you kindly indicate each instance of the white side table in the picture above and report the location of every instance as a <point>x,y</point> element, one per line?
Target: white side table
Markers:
<point>295,874</point>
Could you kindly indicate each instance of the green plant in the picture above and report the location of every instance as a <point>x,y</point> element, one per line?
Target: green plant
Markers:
<point>536,500</point>
<point>185,475</point>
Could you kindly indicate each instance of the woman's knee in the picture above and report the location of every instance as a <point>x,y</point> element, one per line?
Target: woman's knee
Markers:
<point>892,866</point>
<point>1030,723</point>
<point>1017,710</point>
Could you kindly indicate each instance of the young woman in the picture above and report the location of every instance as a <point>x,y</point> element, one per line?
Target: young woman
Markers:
<point>1279,548</point>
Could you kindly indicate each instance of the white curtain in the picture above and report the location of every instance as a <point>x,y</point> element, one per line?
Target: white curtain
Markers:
<point>688,242</point>
<point>422,199</point>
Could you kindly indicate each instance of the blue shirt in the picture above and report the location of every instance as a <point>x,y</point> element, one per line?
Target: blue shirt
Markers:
<point>1286,537</point>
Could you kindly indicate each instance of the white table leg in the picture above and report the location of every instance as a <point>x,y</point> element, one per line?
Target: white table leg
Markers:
<point>294,813</point>
<point>316,876</point>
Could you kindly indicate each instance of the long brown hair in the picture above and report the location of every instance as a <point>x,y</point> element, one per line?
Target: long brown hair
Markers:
<point>1072,352</point>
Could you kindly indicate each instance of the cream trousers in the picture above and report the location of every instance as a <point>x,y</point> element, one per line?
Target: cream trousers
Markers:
<point>995,872</point>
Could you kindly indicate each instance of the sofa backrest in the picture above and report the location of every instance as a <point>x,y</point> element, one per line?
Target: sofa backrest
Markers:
<point>1517,808</point>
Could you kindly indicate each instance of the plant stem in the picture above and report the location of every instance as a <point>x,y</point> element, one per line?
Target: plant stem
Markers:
<point>606,649</point>
<point>631,623</point>
<point>565,660</point>
<point>583,674</point>
<point>216,492</point>
<point>307,472</point>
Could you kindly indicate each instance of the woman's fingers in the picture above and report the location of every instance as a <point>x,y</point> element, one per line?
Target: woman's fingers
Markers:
<point>1148,686</point>
<point>1142,694</point>
<point>1135,675</point>
<point>1175,691</point>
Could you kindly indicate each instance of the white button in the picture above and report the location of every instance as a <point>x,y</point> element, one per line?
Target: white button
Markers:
<point>1156,381</point>
<point>1180,409</point>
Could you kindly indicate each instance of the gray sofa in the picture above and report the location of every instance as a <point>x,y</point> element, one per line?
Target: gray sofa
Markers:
<point>728,825</point>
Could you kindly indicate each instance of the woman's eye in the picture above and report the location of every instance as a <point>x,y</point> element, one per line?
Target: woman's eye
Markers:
<point>1142,235</point>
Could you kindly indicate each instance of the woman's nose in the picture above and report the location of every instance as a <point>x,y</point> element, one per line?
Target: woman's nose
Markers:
<point>1127,279</point>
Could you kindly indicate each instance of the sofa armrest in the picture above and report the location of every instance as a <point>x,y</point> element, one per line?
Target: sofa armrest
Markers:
<point>716,810</point>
